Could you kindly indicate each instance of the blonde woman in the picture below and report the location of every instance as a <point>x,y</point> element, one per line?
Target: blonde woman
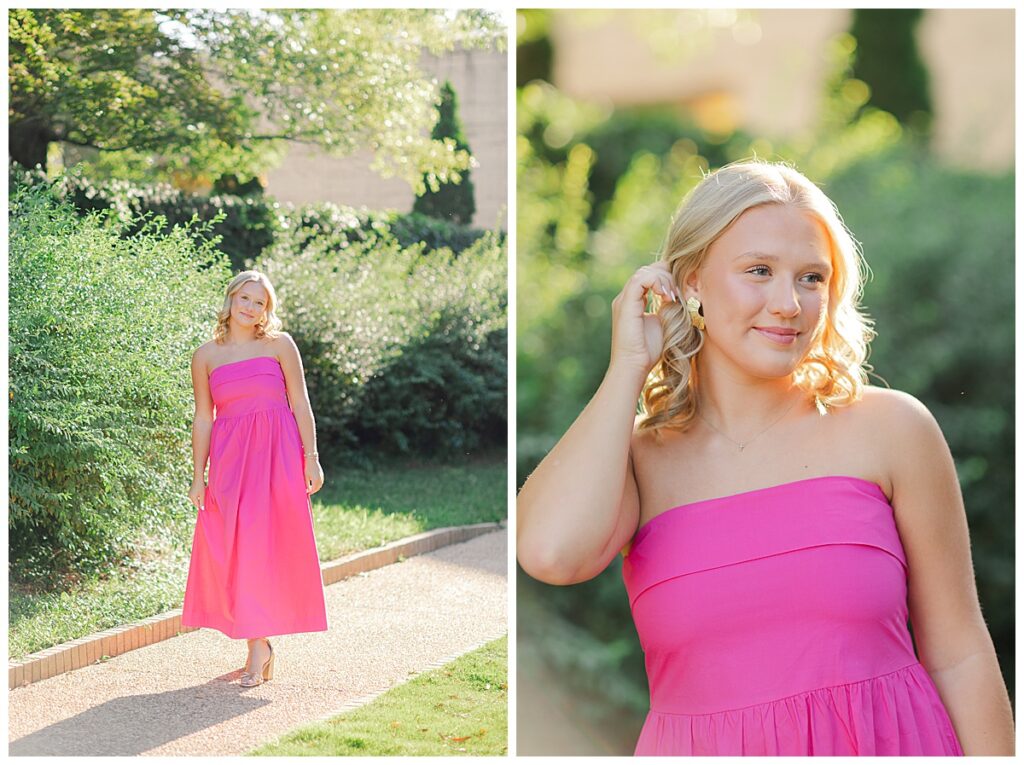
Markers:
<point>254,570</point>
<point>780,520</point>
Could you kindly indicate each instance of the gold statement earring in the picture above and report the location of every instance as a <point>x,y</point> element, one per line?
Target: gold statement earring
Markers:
<point>693,306</point>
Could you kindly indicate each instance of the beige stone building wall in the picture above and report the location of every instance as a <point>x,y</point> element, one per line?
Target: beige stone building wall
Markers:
<point>764,70</point>
<point>970,55</point>
<point>480,79</point>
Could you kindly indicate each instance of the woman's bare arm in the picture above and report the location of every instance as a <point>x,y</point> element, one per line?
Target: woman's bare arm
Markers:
<point>202,421</point>
<point>298,395</point>
<point>953,642</point>
<point>580,506</point>
<point>298,399</point>
<point>578,501</point>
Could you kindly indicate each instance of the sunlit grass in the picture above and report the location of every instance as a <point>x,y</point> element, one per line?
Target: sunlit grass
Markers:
<point>459,709</point>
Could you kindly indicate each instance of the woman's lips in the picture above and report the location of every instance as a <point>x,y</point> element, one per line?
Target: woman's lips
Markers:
<point>779,335</point>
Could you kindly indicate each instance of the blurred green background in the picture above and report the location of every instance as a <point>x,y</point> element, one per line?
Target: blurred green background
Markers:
<point>600,172</point>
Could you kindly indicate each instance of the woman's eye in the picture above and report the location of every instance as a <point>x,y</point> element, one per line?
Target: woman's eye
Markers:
<point>818,278</point>
<point>759,271</point>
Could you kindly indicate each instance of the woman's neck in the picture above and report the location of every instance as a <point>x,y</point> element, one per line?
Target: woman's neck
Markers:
<point>239,336</point>
<point>739,405</point>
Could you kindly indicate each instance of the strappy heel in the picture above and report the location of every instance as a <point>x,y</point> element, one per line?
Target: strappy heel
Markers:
<point>252,679</point>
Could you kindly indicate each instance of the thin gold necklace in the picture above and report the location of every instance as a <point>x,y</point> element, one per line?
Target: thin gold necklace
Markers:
<point>742,445</point>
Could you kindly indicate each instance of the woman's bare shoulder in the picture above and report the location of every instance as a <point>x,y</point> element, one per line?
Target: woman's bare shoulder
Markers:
<point>640,440</point>
<point>282,345</point>
<point>898,424</point>
<point>205,352</point>
<point>888,408</point>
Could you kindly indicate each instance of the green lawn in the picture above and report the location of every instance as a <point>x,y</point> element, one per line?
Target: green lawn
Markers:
<point>377,507</point>
<point>459,709</point>
<point>355,510</point>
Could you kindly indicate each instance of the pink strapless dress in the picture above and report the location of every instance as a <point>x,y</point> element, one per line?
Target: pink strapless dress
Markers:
<point>774,622</point>
<point>254,570</point>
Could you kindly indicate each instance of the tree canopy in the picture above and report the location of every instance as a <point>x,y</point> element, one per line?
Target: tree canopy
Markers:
<point>203,91</point>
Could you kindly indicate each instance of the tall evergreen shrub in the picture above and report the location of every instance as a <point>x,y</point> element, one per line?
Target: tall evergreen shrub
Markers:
<point>452,201</point>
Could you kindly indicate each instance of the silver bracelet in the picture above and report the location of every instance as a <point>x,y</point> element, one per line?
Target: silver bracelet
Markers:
<point>312,454</point>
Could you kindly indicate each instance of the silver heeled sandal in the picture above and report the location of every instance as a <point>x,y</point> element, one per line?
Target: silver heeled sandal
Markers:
<point>252,679</point>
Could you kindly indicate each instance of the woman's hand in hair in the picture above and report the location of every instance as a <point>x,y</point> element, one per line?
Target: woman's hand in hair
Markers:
<point>636,333</point>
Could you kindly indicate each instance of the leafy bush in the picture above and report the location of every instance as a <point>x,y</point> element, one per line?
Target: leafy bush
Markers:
<point>433,234</point>
<point>102,327</point>
<point>403,353</point>
<point>446,391</point>
<point>248,223</point>
<point>337,227</point>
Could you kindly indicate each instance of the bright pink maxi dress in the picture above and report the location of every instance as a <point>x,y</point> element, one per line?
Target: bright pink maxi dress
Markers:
<point>254,570</point>
<point>774,622</point>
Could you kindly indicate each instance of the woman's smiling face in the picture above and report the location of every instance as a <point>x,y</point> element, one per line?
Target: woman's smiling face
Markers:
<point>764,287</point>
<point>249,303</point>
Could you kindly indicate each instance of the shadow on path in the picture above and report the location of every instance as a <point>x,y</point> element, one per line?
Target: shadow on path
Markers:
<point>131,725</point>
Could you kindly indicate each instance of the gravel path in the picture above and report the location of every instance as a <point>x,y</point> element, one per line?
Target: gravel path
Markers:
<point>181,696</point>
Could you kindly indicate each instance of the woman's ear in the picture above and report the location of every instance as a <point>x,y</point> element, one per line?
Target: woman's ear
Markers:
<point>691,285</point>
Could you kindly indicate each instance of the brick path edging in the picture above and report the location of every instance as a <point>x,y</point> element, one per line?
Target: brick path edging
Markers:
<point>100,646</point>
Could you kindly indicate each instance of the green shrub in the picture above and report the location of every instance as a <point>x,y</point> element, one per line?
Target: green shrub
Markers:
<point>337,227</point>
<point>102,328</point>
<point>446,391</point>
<point>888,60</point>
<point>346,315</point>
<point>433,234</point>
<point>401,351</point>
<point>248,223</point>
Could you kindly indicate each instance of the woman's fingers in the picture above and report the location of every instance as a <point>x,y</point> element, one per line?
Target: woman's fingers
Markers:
<point>656,277</point>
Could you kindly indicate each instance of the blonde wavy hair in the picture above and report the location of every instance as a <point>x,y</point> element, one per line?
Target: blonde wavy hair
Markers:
<point>834,371</point>
<point>269,327</point>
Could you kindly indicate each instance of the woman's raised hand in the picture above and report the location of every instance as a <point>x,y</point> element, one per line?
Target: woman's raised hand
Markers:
<point>637,334</point>
<point>581,505</point>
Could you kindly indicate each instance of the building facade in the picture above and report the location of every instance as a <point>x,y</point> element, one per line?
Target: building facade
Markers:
<point>480,80</point>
